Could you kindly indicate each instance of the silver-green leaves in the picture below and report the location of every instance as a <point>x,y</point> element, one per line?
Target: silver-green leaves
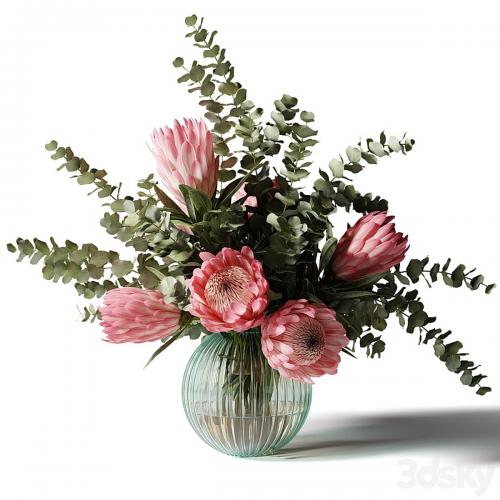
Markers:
<point>353,154</point>
<point>272,133</point>
<point>337,168</point>
<point>82,171</point>
<point>369,151</point>
<point>417,269</point>
<point>89,268</point>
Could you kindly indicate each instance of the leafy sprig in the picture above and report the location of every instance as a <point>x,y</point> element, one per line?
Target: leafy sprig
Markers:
<point>224,99</point>
<point>235,116</point>
<point>420,268</point>
<point>364,308</point>
<point>92,271</point>
<point>368,152</point>
<point>329,195</point>
<point>82,172</point>
<point>411,313</point>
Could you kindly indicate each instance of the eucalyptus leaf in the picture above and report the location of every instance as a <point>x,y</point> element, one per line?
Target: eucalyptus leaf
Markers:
<point>121,268</point>
<point>337,167</point>
<point>353,153</point>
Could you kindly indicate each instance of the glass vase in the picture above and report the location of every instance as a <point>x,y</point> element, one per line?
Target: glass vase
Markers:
<point>236,402</point>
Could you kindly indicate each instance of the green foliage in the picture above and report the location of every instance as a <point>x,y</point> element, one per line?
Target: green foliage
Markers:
<point>147,223</point>
<point>233,115</point>
<point>173,288</point>
<point>299,135</point>
<point>364,307</point>
<point>330,195</point>
<point>361,316</point>
<point>223,98</point>
<point>369,152</point>
<point>81,170</point>
<point>87,267</point>
<point>221,227</point>
<point>198,203</point>
<point>327,252</point>
<point>420,268</point>
<point>90,313</point>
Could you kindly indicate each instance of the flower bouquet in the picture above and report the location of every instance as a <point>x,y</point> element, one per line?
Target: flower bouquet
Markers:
<point>230,247</point>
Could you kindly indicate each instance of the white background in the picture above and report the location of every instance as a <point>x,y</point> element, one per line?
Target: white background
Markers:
<point>80,419</point>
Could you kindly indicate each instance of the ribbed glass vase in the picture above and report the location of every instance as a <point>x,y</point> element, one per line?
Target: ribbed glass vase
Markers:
<point>236,402</point>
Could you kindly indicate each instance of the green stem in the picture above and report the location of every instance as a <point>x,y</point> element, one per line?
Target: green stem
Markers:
<point>427,271</point>
<point>170,341</point>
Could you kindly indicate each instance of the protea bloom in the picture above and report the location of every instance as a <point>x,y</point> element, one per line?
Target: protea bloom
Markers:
<point>251,201</point>
<point>303,340</point>
<point>229,291</point>
<point>185,155</point>
<point>372,246</point>
<point>136,315</point>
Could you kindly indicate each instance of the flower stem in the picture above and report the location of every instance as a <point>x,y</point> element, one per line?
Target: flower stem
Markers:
<point>171,340</point>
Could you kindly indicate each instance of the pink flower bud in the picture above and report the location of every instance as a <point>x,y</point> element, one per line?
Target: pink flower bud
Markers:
<point>372,246</point>
<point>136,315</point>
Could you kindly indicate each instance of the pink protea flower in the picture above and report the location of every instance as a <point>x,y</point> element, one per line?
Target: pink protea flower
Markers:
<point>229,291</point>
<point>251,201</point>
<point>136,315</point>
<point>372,246</point>
<point>185,155</point>
<point>303,340</point>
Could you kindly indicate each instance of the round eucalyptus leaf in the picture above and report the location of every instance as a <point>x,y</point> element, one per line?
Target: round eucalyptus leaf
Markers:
<point>354,154</point>
<point>337,167</point>
<point>272,133</point>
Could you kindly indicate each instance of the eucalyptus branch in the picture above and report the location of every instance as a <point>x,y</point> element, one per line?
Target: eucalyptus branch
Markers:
<point>296,156</point>
<point>83,173</point>
<point>89,313</point>
<point>93,271</point>
<point>417,268</point>
<point>230,98</point>
<point>410,311</point>
<point>328,195</point>
<point>369,152</point>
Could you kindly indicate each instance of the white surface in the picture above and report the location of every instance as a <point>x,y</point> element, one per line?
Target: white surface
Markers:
<point>80,419</point>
